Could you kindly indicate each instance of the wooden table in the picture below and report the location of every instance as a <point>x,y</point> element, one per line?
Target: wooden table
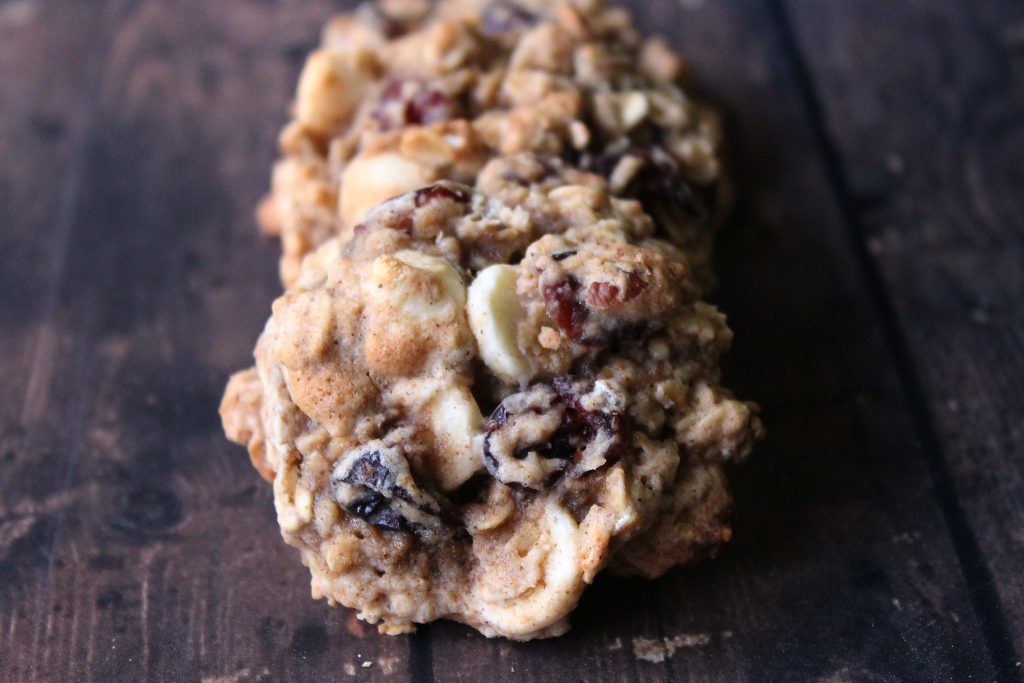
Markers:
<point>874,274</point>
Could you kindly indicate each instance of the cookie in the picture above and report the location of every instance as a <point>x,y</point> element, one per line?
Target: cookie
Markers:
<point>456,433</point>
<point>402,94</point>
<point>492,373</point>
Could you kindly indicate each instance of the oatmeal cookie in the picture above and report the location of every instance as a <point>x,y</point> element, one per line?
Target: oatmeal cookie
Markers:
<point>477,399</point>
<point>401,94</point>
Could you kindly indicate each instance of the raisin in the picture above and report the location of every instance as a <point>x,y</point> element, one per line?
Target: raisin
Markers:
<point>374,483</point>
<point>375,509</point>
<point>659,183</point>
<point>429,193</point>
<point>562,255</point>
<point>498,418</point>
<point>580,440</point>
<point>561,300</point>
<point>630,332</point>
<point>368,470</point>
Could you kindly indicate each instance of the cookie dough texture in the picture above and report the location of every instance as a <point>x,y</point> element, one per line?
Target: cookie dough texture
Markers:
<point>491,374</point>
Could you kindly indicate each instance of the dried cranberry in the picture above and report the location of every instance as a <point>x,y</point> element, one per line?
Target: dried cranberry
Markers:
<point>430,193</point>
<point>561,300</point>
<point>606,295</point>
<point>392,92</point>
<point>583,423</point>
<point>405,224</point>
<point>561,446</point>
<point>635,285</point>
<point>403,105</point>
<point>603,295</point>
<point>429,106</point>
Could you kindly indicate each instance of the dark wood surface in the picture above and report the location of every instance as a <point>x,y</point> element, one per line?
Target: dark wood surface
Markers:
<point>874,274</point>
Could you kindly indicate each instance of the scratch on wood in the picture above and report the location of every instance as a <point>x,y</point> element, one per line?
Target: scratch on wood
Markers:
<point>198,614</point>
<point>14,623</point>
<point>39,377</point>
<point>147,557</point>
<point>91,633</point>
<point>240,675</point>
<point>73,640</point>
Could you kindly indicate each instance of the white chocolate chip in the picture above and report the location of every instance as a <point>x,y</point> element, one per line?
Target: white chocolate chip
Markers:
<point>494,313</point>
<point>455,419</point>
<point>368,181</point>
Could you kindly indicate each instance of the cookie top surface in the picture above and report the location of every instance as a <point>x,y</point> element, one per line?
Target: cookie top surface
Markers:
<point>456,375</point>
<point>491,374</point>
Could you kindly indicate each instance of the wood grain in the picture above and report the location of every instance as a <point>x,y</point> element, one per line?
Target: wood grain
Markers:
<point>136,544</point>
<point>148,550</point>
<point>923,107</point>
<point>49,63</point>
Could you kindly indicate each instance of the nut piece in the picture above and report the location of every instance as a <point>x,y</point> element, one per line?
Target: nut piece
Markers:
<point>332,84</point>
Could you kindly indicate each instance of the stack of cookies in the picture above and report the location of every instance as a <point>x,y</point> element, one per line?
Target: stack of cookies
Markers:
<point>491,374</point>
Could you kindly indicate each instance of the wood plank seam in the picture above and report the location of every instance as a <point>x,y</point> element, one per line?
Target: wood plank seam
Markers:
<point>983,594</point>
<point>421,656</point>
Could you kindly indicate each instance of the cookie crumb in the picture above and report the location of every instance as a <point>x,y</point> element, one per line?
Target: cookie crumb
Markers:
<point>657,650</point>
<point>387,664</point>
<point>549,338</point>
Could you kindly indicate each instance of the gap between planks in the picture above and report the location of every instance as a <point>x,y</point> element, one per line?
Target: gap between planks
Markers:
<point>981,585</point>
